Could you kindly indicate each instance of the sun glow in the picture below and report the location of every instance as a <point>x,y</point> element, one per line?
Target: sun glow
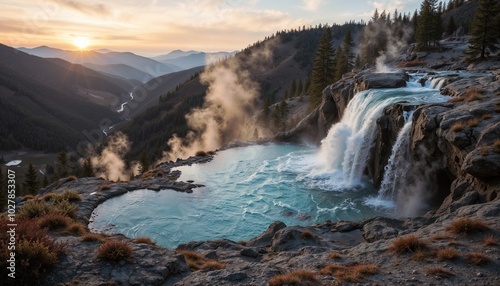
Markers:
<point>81,42</point>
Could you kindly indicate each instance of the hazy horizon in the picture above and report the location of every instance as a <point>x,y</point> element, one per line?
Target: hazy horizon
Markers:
<point>156,27</point>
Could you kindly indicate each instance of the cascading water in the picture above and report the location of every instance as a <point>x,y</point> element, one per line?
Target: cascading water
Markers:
<point>345,150</point>
<point>399,164</point>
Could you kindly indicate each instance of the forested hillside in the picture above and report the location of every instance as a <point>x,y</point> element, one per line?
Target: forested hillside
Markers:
<point>41,103</point>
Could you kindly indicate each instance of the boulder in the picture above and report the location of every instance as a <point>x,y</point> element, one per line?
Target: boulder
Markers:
<point>265,239</point>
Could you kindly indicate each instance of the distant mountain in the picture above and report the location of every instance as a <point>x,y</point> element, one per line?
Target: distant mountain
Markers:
<point>174,54</point>
<point>189,59</point>
<point>141,63</point>
<point>49,104</point>
<point>121,70</point>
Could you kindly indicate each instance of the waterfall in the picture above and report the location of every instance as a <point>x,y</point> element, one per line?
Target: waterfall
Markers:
<point>436,83</point>
<point>345,151</point>
<point>399,164</point>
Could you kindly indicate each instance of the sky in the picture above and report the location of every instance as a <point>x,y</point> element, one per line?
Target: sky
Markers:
<point>154,27</point>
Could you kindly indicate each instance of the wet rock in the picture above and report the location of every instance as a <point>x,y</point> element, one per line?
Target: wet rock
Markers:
<point>266,237</point>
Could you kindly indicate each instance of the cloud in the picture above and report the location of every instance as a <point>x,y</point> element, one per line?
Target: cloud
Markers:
<point>86,8</point>
<point>312,5</point>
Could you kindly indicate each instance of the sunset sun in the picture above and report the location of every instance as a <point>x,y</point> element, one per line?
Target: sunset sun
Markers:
<point>81,42</point>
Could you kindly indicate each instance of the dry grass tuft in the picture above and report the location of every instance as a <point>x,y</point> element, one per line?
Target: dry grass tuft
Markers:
<point>28,197</point>
<point>456,99</point>
<point>307,235</point>
<point>447,254</point>
<point>67,195</point>
<point>334,255</point>
<point>420,255</point>
<point>114,250</point>
<point>196,261</point>
<point>53,221</point>
<point>145,240</point>
<point>353,273</point>
<point>472,122</point>
<point>477,258</point>
<point>490,240</point>
<point>438,271</point>
<point>467,226</point>
<point>76,228</point>
<point>92,237</point>
<point>104,187</point>
<point>212,265</point>
<point>496,146</point>
<point>473,94</point>
<point>201,154</point>
<point>405,244</point>
<point>297,277</point>
<point>457,126</point>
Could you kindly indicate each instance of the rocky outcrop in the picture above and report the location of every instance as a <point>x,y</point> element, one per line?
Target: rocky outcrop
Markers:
<point>457,139</point>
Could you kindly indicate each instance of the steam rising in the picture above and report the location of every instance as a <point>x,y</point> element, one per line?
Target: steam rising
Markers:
<point>229,105</point>
<point>390,40</point>
<point>109,163</point>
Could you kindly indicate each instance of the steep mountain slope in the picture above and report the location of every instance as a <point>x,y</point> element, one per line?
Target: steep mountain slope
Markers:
<point>143,64</point>
<point>46,104</point>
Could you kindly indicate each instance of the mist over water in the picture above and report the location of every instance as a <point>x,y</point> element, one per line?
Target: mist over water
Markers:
<point>248,188</point>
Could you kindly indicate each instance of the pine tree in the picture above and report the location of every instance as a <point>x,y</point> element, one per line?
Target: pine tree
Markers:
<point>266,112</point>
<point>451,26</point>
<point>293,88</point>
<point>45,181</point>
<point>429,26</point>
<point>62,169</point>
<point>484,31</point>
<point>31,183</point>
<point>300,87</point>
<point>348,47</point>
<point>143,163</point>
<point>87,168</point>
<point>323,68</point>
<point>341,63</point>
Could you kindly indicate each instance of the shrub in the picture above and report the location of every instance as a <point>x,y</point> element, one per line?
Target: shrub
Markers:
<point>68,195</point>
<point>92,237</point>
<point>353,273</point>
<point>467,226</point>
<point>438,271</point>
<point>145,240</point>
<point>36,252</point>
<point>405,244</point>
<point>477,258</point>
<point>33,209</point>
<point>490,240</point>
<point>66,208</point>
<point>114,250</point>
<point>36,256</point>
<point>334,255</point>
<point>447,254</point>
<point>53,221</point>
<point>76,228</point>
<point>48,197</point>
<point>297,277</point>
<point>212,265</point>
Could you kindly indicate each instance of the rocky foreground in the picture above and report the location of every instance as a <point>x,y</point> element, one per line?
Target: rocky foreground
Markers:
<point>446,256</point>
